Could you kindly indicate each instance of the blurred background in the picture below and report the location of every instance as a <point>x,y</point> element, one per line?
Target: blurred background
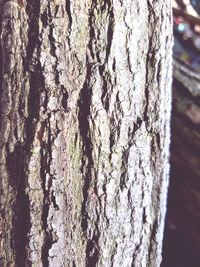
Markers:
<point>182,231</point>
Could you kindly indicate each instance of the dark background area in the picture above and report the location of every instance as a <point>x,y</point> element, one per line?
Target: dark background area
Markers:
<point>181,246</point>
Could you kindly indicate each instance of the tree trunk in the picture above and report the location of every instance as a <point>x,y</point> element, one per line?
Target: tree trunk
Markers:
<point>85,108</point>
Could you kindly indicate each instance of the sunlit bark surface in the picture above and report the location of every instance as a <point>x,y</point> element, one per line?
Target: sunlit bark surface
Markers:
<point>85,108</point>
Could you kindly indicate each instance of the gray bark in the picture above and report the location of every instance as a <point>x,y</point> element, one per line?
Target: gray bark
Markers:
<point>85,111</point>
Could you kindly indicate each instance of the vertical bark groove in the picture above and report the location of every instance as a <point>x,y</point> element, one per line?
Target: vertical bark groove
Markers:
<point>87,161</point>
<point>21,217</point>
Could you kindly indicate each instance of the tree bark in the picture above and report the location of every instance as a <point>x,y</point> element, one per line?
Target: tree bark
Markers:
<point>85,111</point>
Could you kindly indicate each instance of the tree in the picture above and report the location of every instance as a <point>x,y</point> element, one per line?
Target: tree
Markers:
<point>85,111</point>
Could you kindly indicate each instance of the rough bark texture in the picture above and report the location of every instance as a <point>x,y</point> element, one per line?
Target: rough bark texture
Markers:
<point>184,200</point>
<point>85,107</point>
